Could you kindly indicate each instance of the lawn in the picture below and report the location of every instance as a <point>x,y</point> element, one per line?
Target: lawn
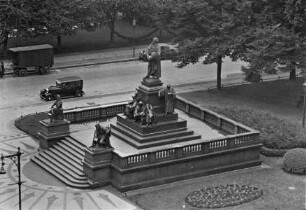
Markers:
<point>281,190</point>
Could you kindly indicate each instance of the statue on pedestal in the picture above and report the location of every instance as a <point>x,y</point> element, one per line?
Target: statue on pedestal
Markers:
<point>101,137</point>
<point>168,94</point>
<point>154,65</point>
<point>130,107</point>
<point>56,112</point>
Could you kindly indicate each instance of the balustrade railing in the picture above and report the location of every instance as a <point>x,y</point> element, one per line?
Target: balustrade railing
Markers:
<point>92,113</point>
<point>240,135</point>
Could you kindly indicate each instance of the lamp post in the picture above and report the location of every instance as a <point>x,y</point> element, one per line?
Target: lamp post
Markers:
<point>304,101</point>
<point>134,25</point>
<point>17,163</point>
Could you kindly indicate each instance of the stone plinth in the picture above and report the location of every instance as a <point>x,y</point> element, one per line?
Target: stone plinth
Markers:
<point>148,93</point>
<point>52,132</point>
<point>97,165</point>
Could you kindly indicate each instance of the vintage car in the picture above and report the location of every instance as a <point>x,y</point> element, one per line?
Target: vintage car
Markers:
<point>32,59</point>
<point>71,86</point>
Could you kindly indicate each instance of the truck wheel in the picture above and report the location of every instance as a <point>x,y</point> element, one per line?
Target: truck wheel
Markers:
<point>78,93</point>
<point>41,70</point>
<point>23,72</point>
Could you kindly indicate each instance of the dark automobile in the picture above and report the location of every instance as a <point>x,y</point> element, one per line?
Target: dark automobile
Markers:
<point>65,87</point>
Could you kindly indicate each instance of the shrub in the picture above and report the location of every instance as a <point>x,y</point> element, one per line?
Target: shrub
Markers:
<point>295,161</point>
<point>276,133</point>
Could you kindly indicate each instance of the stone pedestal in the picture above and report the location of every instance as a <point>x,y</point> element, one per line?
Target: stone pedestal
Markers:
<point>97,165</point>
<point>52,132</point>
<point>148,92</point>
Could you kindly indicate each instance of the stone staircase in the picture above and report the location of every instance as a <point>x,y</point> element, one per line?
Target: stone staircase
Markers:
<point>64,161</point>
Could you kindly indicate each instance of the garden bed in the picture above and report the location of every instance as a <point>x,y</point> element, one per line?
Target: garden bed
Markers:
<point>223,196</point>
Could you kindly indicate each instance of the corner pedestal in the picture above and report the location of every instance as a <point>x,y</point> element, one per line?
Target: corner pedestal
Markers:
<point>97,166</point>
<point>52,132</point>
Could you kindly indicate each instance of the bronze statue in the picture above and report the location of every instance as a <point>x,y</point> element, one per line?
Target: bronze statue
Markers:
<point>139,112</point>
<point>168,94</point>
<point>56,112</point>
<point>154,65</point>
<point>149,114</point>
<point>130,107</point>
<point>101,137</point>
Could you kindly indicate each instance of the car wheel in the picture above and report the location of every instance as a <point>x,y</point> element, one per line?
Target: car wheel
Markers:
<point>23,72</point>
<point>48,98</point>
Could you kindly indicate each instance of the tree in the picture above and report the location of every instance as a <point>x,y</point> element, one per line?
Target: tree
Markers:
<point>278,43</point>
<point>13,20</point>
<point>57,17</point>
<point>107,12</point>
<point>209,29</point>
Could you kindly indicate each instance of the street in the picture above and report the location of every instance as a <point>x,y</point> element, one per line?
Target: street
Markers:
<point>105,79</point>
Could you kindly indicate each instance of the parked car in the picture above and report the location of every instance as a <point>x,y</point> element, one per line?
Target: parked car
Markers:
<point>166,52</point>
<point>32,59</point>
<point>71,86</point>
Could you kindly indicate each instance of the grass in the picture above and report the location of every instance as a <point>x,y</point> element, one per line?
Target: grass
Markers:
<point>281,190</point>
<point>95,40</point>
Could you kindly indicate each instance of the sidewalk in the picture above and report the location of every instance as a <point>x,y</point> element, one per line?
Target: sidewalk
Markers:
<point>113,55</point>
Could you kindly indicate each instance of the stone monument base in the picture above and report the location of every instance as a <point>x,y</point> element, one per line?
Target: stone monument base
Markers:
<point>97,165</point>
<point>52,132</point>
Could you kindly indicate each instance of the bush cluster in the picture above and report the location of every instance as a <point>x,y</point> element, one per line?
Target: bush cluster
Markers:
<point>295,161</point>
<point>276,133</point>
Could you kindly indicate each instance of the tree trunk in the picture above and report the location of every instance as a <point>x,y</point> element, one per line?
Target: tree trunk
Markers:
<point>112,29</point>
<point>59,42</point>
<point>292,75</point>
<point>219,68</point>
<point>5,43</point>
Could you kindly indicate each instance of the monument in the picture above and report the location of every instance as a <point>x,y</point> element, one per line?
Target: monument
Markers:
<point>149,121</point>
<point>148,143</point>
<point>55,128</point>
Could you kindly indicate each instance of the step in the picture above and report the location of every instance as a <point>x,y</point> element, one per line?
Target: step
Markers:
<point>67,156</point>
<point>59,176</point>
<point>159,127</point>
<point>143,135</point>
<point>68,171</point>
<point>68,152</point>
<point>71,149</point>
<point>78,169</point>
<point>56,167</point>
<point>144,145</point>
<point>153,137</point>
<point>77,149</point>
<point>75,142</point>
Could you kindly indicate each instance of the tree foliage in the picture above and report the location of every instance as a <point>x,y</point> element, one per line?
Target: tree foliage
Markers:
<point>209,29</point>
<point>278,43</point>
<point>14,20</point>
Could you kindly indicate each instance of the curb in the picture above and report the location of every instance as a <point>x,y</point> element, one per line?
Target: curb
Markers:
<point>10,72</point>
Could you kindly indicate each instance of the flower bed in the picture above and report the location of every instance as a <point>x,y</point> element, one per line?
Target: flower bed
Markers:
<point>223,196</point>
